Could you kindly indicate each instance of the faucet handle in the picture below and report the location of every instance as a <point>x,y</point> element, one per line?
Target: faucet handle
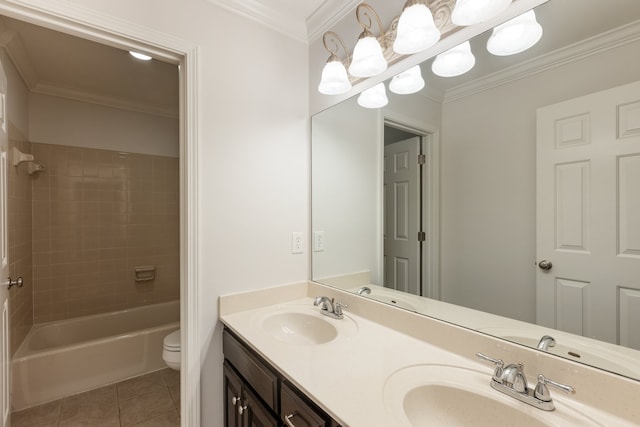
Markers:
<point>497,375</point>
<point>338,306</point>
<point>542,392</point>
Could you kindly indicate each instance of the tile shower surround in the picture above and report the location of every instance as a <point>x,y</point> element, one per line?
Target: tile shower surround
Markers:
<point>97,214</point>
<point>19,242</point>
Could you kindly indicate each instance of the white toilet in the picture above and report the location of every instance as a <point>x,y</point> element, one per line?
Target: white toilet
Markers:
<point>171,350</point>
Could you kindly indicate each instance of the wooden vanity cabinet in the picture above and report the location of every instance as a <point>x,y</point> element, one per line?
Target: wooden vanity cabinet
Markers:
<point>257,395</point>
<point>242,407</point>
<point>298,411</point>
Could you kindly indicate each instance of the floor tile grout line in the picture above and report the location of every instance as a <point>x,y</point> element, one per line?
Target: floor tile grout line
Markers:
<point>60,412</point>
<point>118,404</point>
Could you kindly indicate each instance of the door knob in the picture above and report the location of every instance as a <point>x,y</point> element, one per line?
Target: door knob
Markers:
<point>17,282</point>
<point>545,265</point>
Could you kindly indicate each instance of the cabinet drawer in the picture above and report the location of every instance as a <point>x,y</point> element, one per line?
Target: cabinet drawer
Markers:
<point>299,413</point>
<point>263,380</point>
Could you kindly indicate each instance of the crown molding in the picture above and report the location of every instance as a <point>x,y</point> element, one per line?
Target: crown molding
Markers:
<point>257,11</point>
<point>611,39</point>
<point>327,16</point>
<point>50,89</point>
<point>432,93</point>
<point>12,44</point>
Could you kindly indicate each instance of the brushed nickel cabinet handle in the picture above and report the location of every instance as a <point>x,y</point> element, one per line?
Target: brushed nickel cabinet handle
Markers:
<point>287,419</point>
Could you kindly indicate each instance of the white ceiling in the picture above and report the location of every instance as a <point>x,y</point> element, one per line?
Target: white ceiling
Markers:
<point>59,64</point>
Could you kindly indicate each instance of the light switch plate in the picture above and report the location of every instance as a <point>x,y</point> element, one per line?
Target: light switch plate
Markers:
<point>318,241</point>
<point>296,242</point>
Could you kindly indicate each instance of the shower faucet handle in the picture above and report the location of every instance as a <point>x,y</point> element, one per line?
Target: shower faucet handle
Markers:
<point>17,282</point>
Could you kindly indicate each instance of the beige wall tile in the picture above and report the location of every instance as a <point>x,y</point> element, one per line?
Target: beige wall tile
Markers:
<point>20,239</point>
<point>99,215</point>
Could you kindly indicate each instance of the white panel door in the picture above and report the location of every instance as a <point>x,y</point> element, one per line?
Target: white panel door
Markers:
<point>402,216</point>
<point>588,215</point>
<point>4,259</point>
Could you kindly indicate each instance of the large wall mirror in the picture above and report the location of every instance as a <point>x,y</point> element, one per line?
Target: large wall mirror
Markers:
<point>506,200</point>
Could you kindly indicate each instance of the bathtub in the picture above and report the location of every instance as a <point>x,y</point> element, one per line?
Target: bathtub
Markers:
<point>65,357</point>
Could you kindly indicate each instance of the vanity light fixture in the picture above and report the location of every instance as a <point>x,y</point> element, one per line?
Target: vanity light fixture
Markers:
<point>515,36</point>
<point>376,97</point>
<point>334,79</point>
<point>469,12</point>
<point>368,60</point>
<point>454,62</point>
<point>407,82</point>
<point>416,29</point>
<point>140,56</point>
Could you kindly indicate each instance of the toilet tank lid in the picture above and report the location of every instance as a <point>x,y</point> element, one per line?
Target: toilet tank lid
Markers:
<point>172,340</point>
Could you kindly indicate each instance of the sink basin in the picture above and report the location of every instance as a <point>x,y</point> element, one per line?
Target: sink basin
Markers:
<point>441,395</point>
<point>300,328</point>
<point>303,324</point>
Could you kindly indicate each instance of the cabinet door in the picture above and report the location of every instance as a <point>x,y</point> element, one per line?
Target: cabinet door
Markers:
<point>297,413</point>
<point>256,414</point>
<point>232,398</point>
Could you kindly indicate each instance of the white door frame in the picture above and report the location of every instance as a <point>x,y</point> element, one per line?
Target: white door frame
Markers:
<point>430,140</point>
<point>124,35</point>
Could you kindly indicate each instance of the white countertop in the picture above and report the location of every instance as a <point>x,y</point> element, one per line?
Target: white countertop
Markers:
<point>346,376</point>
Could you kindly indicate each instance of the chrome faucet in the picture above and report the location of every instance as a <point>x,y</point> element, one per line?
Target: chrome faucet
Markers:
<point>329,307</point>
<point>511,381</point>
<point>363,290</point>
<point>545,342</point>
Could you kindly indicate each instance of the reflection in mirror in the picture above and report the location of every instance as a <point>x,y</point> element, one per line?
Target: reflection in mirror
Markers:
<point>562,118</point>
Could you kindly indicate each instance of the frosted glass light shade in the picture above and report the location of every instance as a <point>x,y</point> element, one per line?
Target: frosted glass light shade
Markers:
<point>469,12</point>
<point>454,62</point>
<point>416,30</point>
<point>408,82</point>
<point>334,79</point>
<point>515,36</point>
<point>368,60</point>
<point>376,97</point>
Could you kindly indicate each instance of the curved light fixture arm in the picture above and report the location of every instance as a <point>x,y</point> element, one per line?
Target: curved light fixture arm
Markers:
<point>412,2</point>
<point>364,11</point>
<point>332,42</point>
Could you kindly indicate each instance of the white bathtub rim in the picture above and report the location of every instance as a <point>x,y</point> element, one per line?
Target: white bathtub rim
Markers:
<point>105,314</point>
<point>53,350</point>
<point>36,327</point>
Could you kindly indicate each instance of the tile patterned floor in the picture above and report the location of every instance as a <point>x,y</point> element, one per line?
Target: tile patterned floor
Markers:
<point>151,400</point>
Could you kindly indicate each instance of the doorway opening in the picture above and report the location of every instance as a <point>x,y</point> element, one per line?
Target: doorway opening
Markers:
<point>410,210</point>
<point>129,37</point>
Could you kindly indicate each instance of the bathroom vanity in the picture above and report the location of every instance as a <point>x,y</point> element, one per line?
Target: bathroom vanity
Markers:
<point>287,364</point>
<point>256,394</point>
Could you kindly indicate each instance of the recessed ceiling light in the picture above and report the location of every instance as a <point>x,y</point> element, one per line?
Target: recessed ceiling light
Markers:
<point>140,56</point>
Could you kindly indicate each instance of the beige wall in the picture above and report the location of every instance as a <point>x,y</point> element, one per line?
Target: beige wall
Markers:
<point>20,243</point>
<point>56,120</point>
<point>97,214</point>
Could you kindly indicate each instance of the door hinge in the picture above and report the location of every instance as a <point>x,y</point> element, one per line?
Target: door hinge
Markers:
<point>422,159</point>
<point>422,236</point>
